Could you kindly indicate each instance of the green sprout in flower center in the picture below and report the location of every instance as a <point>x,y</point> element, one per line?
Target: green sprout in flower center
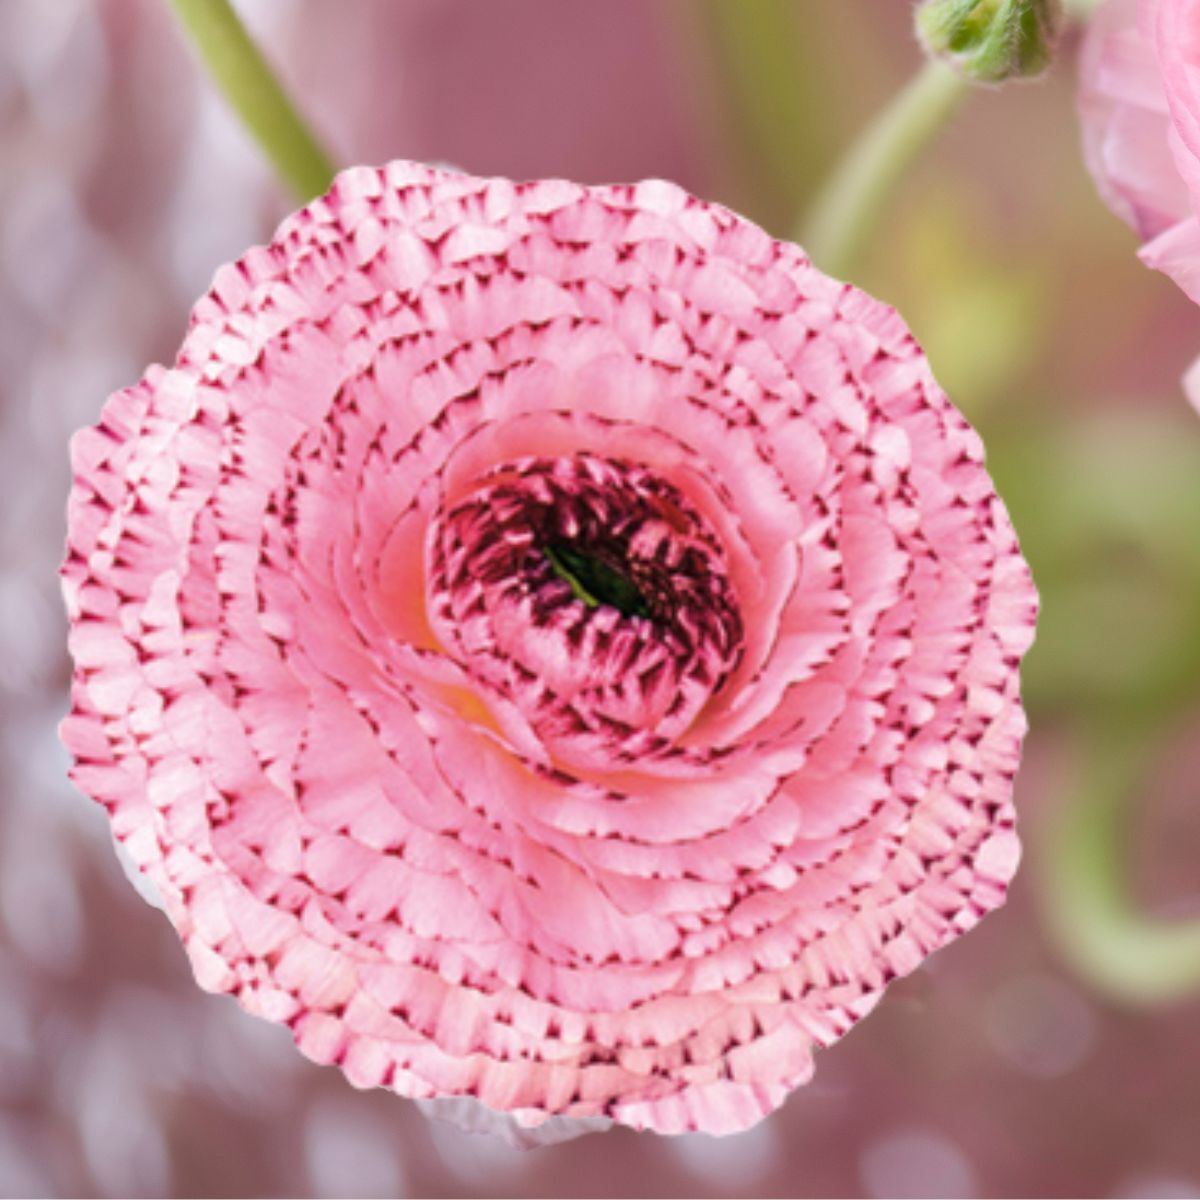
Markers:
<point>596,581</point>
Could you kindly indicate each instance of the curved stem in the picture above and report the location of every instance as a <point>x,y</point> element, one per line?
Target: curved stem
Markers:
<point>847,207</point>
<point>251,87</point>
<point>1135,958</point>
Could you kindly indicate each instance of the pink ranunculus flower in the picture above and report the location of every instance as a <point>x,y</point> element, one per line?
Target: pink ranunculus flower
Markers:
<point>548,644</point>
<point>1140,104</point>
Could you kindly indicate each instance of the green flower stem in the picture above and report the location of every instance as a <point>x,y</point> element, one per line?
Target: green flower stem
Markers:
<point>252,89</point>
<point>1135,958</point>
<point>848,207</point>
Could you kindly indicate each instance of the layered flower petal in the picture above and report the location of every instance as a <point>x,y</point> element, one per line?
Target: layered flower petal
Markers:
<point>549,645</point>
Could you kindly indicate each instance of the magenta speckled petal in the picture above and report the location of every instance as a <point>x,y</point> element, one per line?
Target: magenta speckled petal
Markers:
<point>548,645</point>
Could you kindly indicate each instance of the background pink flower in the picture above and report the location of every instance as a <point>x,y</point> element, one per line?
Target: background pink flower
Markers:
<point>1140,103</point>
<point>343,681</point>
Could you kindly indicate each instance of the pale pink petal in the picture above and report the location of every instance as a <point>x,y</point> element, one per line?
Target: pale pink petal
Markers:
<point>1176,40</point>
<point>1176,252</point>
<point>1139,101</point>
<point>1191,384</point>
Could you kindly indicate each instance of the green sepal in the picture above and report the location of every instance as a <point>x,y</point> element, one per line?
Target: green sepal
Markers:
<point>990,41</point>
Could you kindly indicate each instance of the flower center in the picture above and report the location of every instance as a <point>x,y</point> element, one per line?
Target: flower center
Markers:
<point>590,593</point>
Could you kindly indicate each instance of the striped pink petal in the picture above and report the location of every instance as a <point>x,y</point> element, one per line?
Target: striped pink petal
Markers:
<point>548,645</point>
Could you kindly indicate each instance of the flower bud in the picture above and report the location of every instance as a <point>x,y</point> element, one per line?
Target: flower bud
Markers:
<point>989,41</point>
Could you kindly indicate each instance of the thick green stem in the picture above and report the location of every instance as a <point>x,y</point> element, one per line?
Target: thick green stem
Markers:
<point>251,87</point>
<point>1135,958</point>
<point>848,207</point>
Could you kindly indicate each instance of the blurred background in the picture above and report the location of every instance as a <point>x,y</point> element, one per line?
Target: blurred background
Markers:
<point>1055,1051</point>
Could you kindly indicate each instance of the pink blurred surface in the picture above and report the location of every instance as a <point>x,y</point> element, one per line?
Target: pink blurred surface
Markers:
<point>123,184</point>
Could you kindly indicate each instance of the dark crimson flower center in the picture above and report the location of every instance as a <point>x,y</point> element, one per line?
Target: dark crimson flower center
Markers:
<point>591,590</point>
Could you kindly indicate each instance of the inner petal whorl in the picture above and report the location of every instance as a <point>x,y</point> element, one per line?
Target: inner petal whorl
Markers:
<point>590,594</point>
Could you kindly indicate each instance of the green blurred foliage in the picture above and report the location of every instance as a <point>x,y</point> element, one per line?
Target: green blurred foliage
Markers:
<point>1107,513</point>
<point>983,316</point>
